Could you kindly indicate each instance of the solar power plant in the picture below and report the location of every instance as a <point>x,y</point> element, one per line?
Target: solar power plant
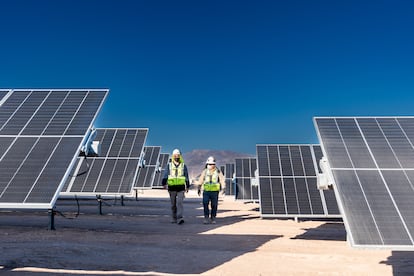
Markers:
<point>41,133</point>
<point>372,163</point>
<point>163,161</point>
<point>288,182</point>
<point>244,169</point>
<point>114,170</point>
<point>228,174</point>
<point>146,174</point>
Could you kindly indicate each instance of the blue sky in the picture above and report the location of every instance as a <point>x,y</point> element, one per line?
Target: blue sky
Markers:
<point>223,75</point>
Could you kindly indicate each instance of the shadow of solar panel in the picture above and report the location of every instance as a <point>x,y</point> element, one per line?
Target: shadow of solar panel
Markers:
<point>112,172</point>
<point>371,160</point>
<point>245,171</point>
<point>288,182</point>
<point>146,175</point>
<point>41,132</point>
<point>163,161</point>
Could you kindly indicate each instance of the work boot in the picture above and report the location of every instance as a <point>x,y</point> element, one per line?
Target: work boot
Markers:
<point>180,221</point>
<point>205,221</point>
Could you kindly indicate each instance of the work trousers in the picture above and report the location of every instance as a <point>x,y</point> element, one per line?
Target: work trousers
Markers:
<point>213,198</point>
<point>177,199</point>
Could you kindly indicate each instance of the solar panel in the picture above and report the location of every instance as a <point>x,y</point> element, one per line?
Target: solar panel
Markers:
<point>229,175</point>
<point>145,177</point>
<point>163,161</point>
<point>372,165</point>
<point>41,132</point>
<point>245,171</point>
<point>288,182</point>
<point>114,170</point>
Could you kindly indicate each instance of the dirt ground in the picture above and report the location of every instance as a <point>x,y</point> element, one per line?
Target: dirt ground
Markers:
<point>137,238</point>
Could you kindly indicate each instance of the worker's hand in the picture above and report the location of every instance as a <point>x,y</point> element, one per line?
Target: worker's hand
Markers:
<point>199,192</point>
<point>223,192</point>
<point>186,190</point>
<point>164,187</point>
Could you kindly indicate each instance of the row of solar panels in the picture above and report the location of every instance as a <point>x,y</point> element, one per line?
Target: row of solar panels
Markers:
<point>42,133</point>
<point>283,179</point>
<point>370,164</point>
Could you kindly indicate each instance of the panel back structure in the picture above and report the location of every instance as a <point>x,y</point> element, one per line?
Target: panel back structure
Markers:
<point>371,160</point>
<point>146,174</point>
<point>245,171</point>
<point>41,133</point>
<point>112,172</point>
<point>288,182</point>
<point>162,164</point>
<point>230,179</point>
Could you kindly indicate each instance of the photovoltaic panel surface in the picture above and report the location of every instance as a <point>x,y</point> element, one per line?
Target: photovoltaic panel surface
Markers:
<point>229,175</point>
<point>372,163</point>
<point>41,132</point>
<point>163,161</point>
<point>288,182</point>
<point>114,170</point>
<point>145,177</point>
<point>245,171</point>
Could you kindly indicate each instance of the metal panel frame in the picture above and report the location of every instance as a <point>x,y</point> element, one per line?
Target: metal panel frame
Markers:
<point>82,140</point>
<point>244,180</point>
<point>306,177</point>
<point>104,159</point>
<point>359,171</point>
<point>149,170</point>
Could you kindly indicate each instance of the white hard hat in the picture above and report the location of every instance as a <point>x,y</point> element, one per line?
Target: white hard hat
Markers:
<point>211,160</point>
<point>176,151</point>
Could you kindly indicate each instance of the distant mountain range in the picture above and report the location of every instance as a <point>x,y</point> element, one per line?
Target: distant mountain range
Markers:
<point>196,159</point>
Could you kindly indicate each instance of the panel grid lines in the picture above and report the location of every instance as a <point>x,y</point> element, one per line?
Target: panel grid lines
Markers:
<point>38,162</point>
<point>378,215</point>
<point>114,170</point>
<point>245,170</point>
<point>146,175</point>
<point>289,188</point>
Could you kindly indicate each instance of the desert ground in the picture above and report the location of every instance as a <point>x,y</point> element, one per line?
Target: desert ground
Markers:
<point>137,238</point>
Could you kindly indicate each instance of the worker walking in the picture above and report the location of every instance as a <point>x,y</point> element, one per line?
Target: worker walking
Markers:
<point>211,181</point>
<point>176,178</point>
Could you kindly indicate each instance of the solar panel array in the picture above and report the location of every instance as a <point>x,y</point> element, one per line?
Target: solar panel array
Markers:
<point>372,164</point>
<point>288,182</point>
<point>114,170</point>
<point>146,175</point>
<point>163,161</point>
<point>229,175</point>
<point>245,171</point>
<point>41,132</point>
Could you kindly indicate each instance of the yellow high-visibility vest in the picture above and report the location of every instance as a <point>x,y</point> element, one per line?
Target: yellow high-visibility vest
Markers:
<point>176,176</point>
<point>211,181</point>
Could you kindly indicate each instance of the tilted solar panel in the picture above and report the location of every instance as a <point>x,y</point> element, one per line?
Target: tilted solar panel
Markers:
<point>145,176</point>
<point>245,171</point>
<point>372,163</point>
<point>114,170</point>
<point>288,182</point>
<point>163,161</point>
<point>41,132</point>
<point>230,178</point>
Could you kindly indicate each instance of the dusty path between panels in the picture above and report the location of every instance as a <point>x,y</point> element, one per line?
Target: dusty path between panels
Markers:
<point>138,239</point>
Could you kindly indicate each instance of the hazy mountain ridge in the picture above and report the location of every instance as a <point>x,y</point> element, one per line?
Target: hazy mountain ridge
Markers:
<point>196,159</point>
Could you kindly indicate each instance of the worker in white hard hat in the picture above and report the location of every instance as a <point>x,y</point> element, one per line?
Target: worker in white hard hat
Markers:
<point>177,180</point>
<point>211,181</point>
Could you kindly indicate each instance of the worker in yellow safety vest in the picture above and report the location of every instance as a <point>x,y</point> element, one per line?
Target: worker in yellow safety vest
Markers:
<point>212,182</point>
<point>176,178</point>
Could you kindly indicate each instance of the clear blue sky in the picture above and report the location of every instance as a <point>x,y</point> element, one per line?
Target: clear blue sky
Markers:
<point>223,75</point>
